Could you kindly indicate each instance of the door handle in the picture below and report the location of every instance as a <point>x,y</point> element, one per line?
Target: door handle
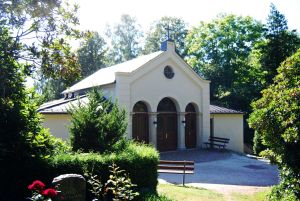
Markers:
<point>166,135</point>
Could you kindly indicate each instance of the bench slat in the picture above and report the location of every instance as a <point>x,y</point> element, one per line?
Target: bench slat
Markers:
<point>213,140</point>
<point>167,162</point>
<point>220,138</point>
<point>176,171</point>
<point>175,167</point>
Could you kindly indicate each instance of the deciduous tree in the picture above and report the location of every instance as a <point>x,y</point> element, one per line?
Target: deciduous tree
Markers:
<point>125,40</point>
<point>92,54</point>
<point>158,33</point>
<point>222,51</point>
<point>276,118</point>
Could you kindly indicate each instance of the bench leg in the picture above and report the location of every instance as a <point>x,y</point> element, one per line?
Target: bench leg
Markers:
<point>183,179</point>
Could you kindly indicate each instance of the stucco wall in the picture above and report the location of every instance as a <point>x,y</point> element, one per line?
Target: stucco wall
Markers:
<point>148,84</point>
<point>230,126</point>
<point>57,124</point>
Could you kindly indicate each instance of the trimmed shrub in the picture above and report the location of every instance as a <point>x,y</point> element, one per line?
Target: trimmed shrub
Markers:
<point>139,161</point>
<point>96,125</point>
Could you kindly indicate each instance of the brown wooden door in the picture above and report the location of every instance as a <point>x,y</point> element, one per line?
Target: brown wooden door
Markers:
<point>190,130</point>
<point>140,127</point>
<point>140,123</point>
<point>167,131</point>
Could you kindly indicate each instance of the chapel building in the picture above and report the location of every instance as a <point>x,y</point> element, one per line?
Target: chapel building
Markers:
<point>167,103</point>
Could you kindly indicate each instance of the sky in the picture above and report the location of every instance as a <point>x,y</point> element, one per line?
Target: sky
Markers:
<point>96,14</point>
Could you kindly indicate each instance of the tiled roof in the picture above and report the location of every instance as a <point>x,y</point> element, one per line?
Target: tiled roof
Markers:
<point>61,106</point>
<point>107,75</point>
<point>213,109</point>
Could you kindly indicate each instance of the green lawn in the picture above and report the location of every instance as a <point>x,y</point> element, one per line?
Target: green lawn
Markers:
<point>180,193</point>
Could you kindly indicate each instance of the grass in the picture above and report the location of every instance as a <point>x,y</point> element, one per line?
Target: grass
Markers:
<point>180,193</point>
<point>259,196</point>
<point>169,192</point>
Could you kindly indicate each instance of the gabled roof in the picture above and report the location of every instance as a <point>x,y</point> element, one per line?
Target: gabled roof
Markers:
<point>213,109</point>
<point>61,106</point>
<point>107,75</point>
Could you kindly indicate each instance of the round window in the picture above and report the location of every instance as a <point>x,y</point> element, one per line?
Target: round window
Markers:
<point>168,72</point>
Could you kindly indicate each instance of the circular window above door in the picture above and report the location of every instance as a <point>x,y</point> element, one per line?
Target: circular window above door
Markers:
<point>168,72</point>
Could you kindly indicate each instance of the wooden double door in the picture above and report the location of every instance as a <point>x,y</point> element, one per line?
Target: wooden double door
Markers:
<point>140,123</point>
<point>190,126</point>
<point>140,127</point>
<point>190,130</point>
<point>167,131</point>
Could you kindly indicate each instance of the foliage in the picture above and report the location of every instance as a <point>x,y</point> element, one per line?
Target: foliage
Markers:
<point>120,184</point>
<point>96,125</point>
<point>40,28</point>
<point>96,187</point>
<point>154,197</point>
<point>49,89</point>
<point>158,33</point>
<point>258,147</point>
<point>280,43</point>
<point>125,40</point>
<point>276,118</point>
<point>23,141</point>
<point>138,160</point>
<point>92,54</point>
<point>221,51</point>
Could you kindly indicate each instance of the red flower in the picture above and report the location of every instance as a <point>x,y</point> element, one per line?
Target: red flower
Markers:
<point>36,185</point>
<point>50,192</point>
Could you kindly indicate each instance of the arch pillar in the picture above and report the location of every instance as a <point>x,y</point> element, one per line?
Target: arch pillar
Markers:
<point>181,133</point>
<point>153,126</point>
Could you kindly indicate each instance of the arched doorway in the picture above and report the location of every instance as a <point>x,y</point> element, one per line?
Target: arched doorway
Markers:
<point>190,126</point>
<point>166,125</point>
<point>140,123</point>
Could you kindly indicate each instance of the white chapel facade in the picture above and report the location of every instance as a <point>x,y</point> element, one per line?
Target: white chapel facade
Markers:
<point>167,103</point>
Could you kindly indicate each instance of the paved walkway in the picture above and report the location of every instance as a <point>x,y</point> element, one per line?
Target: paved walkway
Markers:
<point>223,171</point>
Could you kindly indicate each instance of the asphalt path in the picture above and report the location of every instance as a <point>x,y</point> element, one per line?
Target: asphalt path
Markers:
<point>219,168</point>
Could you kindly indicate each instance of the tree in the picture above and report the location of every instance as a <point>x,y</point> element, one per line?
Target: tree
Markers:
<point>276,118</point>
<point>125,40</point>
<point>280,43</point>
<point>158,32</point>
<point>42,29</point>
<point>24,143</point>
<point>222,51</point>
<point>92,54</point>
<point>97,125</point>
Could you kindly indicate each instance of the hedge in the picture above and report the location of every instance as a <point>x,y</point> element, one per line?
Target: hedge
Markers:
<point>139,161</point>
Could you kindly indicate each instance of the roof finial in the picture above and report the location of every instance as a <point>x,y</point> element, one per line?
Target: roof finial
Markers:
<point>168,29</point>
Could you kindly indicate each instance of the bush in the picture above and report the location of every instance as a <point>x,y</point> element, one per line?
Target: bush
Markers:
<point>276,117</point>
<point>258,146</point>
<point>96,125</point>
<point>289,187</point>
<point>24,143</point>
<point>139,162</point>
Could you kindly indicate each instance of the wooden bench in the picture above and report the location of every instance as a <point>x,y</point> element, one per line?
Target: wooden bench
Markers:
<point>217,141</point>
<point>176,167</point>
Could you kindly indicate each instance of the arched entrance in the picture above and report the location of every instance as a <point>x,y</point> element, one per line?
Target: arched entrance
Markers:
<point>166,125</point>
<point>140,123</point>
<point>190,126</point>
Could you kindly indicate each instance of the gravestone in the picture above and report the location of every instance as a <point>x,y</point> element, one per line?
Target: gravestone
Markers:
<point>71,187</point>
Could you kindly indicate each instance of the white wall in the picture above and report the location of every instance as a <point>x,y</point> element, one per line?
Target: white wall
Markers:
<point>57,124</point>
<point>230,126</point>
<point>149,84</point>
